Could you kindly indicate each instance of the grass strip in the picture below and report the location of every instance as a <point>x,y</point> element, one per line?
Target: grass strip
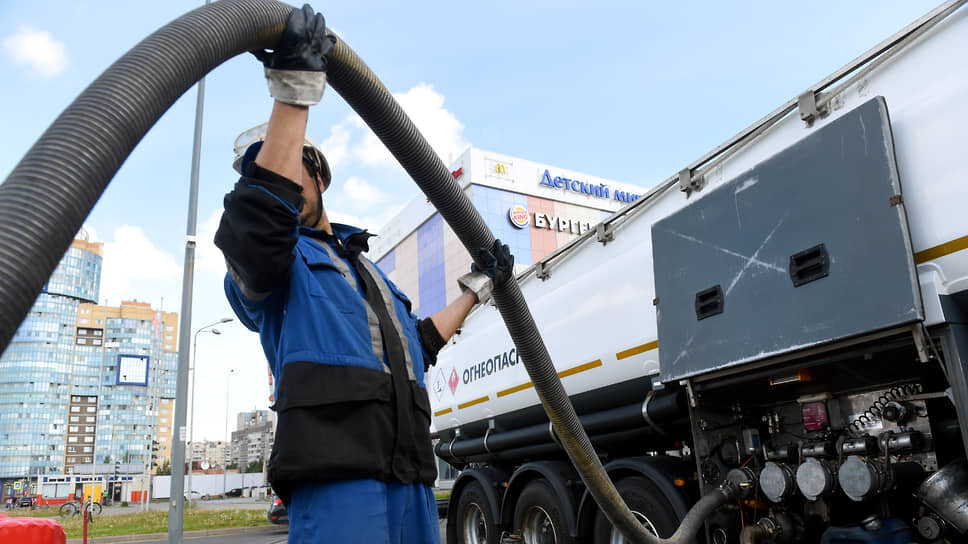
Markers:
<point>154,522</point>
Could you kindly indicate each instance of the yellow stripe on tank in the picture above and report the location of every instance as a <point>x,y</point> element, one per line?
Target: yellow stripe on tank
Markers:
<point>941,250</point>
<point>563,374</point>
<point>637,350</point>
<point>470,403</point>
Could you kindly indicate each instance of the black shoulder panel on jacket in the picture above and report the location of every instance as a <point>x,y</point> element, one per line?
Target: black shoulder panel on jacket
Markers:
<point>259,228</point>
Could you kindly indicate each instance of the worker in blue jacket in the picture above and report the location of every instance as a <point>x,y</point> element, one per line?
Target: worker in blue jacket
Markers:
<point>352,457</point>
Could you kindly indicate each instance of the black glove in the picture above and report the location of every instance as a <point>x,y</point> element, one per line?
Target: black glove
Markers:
<point>498,268</point>
<point>296,68</point>
<point>498,263</point>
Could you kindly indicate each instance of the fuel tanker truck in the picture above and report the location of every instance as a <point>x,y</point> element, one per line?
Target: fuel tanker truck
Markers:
<point>788,316</point>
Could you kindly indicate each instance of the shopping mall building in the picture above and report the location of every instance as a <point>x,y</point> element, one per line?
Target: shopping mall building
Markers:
<point>533,208</point>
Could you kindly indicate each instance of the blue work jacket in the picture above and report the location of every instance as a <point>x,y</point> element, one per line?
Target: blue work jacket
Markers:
<point>320,316</point>
<point>342,413</point>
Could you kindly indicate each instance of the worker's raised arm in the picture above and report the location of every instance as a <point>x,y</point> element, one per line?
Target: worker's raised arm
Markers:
<point>259,227</point>
<point>477,287</point>
<point>281,152</point>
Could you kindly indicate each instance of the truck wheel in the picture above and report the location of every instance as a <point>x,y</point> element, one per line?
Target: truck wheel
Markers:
<point>649,506</point>
<point>475,521</point>
<point>538,516</point>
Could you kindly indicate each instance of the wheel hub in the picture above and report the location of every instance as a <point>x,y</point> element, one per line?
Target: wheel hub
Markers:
<point>474,525</point>
<point>538,527</point>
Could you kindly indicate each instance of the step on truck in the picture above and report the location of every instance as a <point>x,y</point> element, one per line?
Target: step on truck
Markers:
<point>788,314</point>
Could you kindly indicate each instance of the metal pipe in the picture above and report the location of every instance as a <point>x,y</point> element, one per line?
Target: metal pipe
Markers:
<point>665,408</point>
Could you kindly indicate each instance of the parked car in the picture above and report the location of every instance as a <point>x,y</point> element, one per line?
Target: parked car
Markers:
<point>277,511</point>
<point>237,492</point>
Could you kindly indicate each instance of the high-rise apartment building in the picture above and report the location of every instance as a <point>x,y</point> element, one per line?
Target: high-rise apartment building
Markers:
<point>209,454</point>
<point>83,383</point>
<point>255,417</point>
<point>252,439</point>
<point>252,443</point>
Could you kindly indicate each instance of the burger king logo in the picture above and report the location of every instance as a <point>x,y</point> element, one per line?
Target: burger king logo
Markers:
<point>519,217</point>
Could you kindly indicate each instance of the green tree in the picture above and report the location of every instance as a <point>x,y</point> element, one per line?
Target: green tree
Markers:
<point>254,466</point>
<point>165,468</point>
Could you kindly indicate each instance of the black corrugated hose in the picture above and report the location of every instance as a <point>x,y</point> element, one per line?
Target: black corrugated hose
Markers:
<point>46,198</point>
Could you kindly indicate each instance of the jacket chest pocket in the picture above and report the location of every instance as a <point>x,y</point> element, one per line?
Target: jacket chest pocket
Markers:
<point>401,296</point>
<point>328,283</point>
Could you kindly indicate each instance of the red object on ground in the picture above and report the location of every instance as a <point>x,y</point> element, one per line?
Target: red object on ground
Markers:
<point>31,531</point>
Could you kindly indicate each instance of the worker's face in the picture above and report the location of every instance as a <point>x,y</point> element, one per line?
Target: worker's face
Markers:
<point>309,194</point>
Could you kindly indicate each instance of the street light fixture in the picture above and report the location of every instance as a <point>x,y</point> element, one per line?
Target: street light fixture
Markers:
<point>191,420</point>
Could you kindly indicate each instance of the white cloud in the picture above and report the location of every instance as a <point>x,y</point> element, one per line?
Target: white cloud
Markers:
<point>132,257</point>
<point>353,140</point>
<point>425,106</point>
<point>336,146</point>
<point>37,50</point>
<point>362,192</point>
<point>90,232</point>
<point>371,223</point>
<point>208,257</point>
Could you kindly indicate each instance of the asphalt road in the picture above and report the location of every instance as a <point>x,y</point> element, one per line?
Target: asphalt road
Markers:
<point>275,537</point>
<point>222,504</point>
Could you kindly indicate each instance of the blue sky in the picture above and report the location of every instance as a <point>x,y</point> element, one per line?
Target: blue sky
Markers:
<point>630,91</point>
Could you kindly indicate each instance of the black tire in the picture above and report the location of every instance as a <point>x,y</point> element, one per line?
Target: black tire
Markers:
<point>645,500</point>
<point>95,508</point>
<point>538,516</point>
<point>68,509</point>
<point>476,523</point>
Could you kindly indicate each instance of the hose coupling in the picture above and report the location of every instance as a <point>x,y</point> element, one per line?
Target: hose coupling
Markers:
<point>731,490</point>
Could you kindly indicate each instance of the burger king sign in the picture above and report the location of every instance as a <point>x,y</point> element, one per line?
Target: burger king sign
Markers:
<point>519,217</point>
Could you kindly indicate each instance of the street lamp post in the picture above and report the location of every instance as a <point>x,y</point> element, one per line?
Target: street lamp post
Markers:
<point>176,513</point>
<point>191,417</point>
<point>227,442</point>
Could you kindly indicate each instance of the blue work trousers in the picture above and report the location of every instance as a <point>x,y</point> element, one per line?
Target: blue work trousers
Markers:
<point>363,511</point>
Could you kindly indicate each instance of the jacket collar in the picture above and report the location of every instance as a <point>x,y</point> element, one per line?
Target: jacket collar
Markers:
<point>353,239</point>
